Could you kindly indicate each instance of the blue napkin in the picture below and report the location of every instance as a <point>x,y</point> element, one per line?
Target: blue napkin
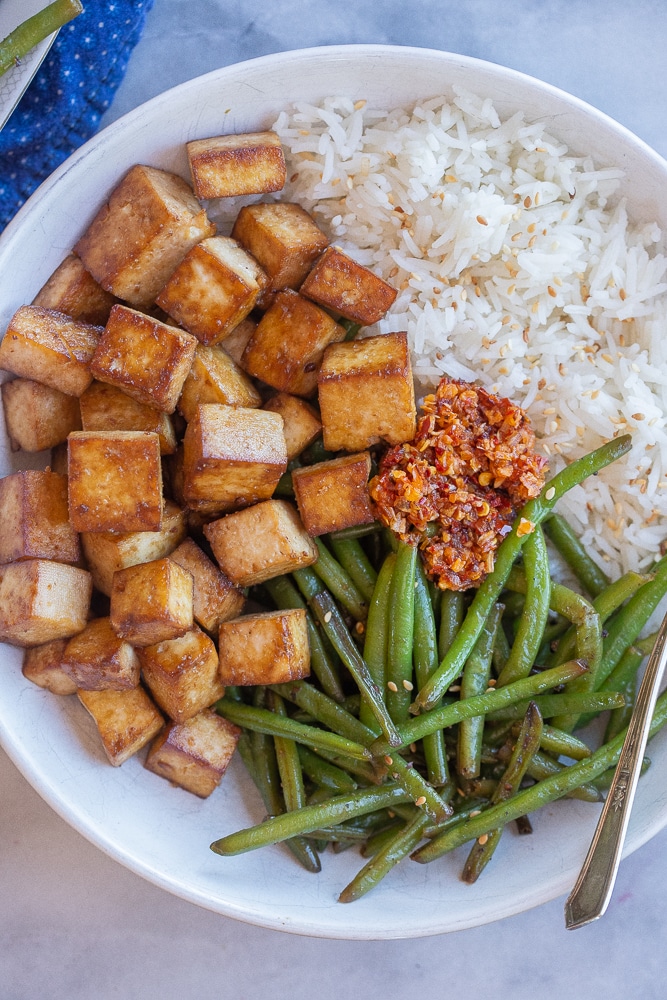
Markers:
<point>68,96</point>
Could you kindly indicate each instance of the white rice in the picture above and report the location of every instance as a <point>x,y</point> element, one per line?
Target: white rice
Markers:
<point>517,267</point>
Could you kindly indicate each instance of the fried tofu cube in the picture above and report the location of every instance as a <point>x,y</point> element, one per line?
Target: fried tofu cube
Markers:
<point>136,240</point>
<point>235,342</point>
<point>194,754</point>
<point>38,417</point>
<point>43,666</point>
<point>260,542</point>
<point>73,291</point>
<point>35,518</point>
<point>216,599</point>
<point>366,393</point>
<point>41,600</point>
<point>215,378</point>
<point>333,495</point>
<point>114,481</point>
<point>286,349</point>
<point>182,674</point>
<point>151,602</point>
<point>51,348</point>
<point>232,455</point>
<point>213,289</point>
<point>105,407</point>
<point>125,720</point>
<point>225,166</point>
<point>107,551</point>
<point>301,422</point>
<point>339,283</point>
<point>283,237</point>
<point>147,359</point>
<point>98,660</point>
<point>266,648</point>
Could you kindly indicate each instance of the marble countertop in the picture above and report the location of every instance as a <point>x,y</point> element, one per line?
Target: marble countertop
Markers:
<point>75,924</point>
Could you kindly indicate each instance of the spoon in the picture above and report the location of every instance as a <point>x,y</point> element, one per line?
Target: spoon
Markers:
<point>592,890</point>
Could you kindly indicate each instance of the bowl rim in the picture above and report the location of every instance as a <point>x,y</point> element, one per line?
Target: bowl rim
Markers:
<point>55,798</point>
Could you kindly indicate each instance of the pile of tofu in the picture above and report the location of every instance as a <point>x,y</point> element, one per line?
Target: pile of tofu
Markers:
<point>174,373</point>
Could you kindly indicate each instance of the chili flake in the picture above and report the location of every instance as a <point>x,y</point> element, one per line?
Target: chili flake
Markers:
<point>454,489</point>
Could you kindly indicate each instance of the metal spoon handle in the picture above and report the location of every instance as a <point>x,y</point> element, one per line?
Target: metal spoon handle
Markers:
<point>592,890</point>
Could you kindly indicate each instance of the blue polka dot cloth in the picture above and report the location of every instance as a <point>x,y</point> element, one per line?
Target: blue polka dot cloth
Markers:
<point>65,101</point>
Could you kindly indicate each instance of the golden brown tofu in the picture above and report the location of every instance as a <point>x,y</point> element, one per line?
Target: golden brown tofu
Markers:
<point>35,518</point>
<point>225,166</point>
<point>213,289</point>
<point>339,283</point>
<point>73,291</point>
<point>182,674</point>
<point>125,720</point>
<point>286,349</point>
<point>147,359</point>
<point>366,393</point>
<point>151,602</point>
<point>235,342</point>
<point>266,648</point>
<point>115,481</point>
<point>38,417</point>
<point>232,455</point>
<point>194,754</point>
<point>98,660</point>
<point>260,542</point>
<point>106,408</point>
<point>43,666</point>
<point>137,239</point>
<point>215,378</point>
<point>51,348</point>
<point>216,599</point>
<point>283,237</point>
<point>334,495</point>
<point>41,600</point>
<point>107,551</point>
<point>301,422</point>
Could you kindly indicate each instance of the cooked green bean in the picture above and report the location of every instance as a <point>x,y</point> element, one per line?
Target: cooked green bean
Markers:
<point>561,744</point>
<point>336,810</point>
<point>451,616</point>
<point>543,765</point>
<point>533,618</point>
<point>552,705</point>
<point>425,661</point>
<point>325,774</point>
<point>489,591</point>
<point>343,588</point>
<point>356,564</point>
<point>394,850</point>
<point>356,531</point>
<point>475,681</point>
<point>592,578</point>
<point>400,633</point>
<point>34,30</point>
<point>375,638</point>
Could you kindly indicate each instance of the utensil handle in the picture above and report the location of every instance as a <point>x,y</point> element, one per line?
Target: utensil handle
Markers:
<point>592,890</point>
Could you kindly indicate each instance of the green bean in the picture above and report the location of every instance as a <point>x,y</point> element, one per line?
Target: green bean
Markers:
<point>619,718</point>
<point>481,704</point>
<point>489,591</point>
<point>356,564</point>
<point>325,774</point>
<point>553,705</point>
<point>501,647</point>
<point>325,710</point>
<point>377,841</point>
<point>336,810</point>
<point>533,619</point>
<point>263,721</point>
<point>343,588</point>
<point>543,766</point>
<point>351,328</point>
<point>629,663</point>
<point>475,681</point>
<point>367,773</point>
<point>285,596</point>
<point>398,847</point>
<point>526,746</point>
<point>285,487</point>
<point>451,616</point>
<point>592,578</point>
<point>400,633</point>
<point>34,30</point>
<point>316,452</point>
<point>561,744</point>
<point>425,657</point>
<point>531,799</point>
<point>356,531</point>
<point>289,766</point>
<point>375,639</point>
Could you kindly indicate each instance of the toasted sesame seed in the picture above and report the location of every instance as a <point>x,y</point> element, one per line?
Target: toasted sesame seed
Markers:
<point>388,760</point>
<point>475,812</point>
<point>483,839</point>
<point>391,686</point>
<point>408,685</point>
<point>551,493</point>
<point>327,617</point>
<point>420,801</point>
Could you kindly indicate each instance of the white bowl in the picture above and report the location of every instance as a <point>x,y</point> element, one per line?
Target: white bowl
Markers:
<point>163,833</point>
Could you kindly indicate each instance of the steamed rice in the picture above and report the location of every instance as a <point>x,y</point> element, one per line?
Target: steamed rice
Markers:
<point>518,268</point>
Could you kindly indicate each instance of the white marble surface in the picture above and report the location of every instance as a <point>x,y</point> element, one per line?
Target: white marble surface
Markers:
<point>74,924</point>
